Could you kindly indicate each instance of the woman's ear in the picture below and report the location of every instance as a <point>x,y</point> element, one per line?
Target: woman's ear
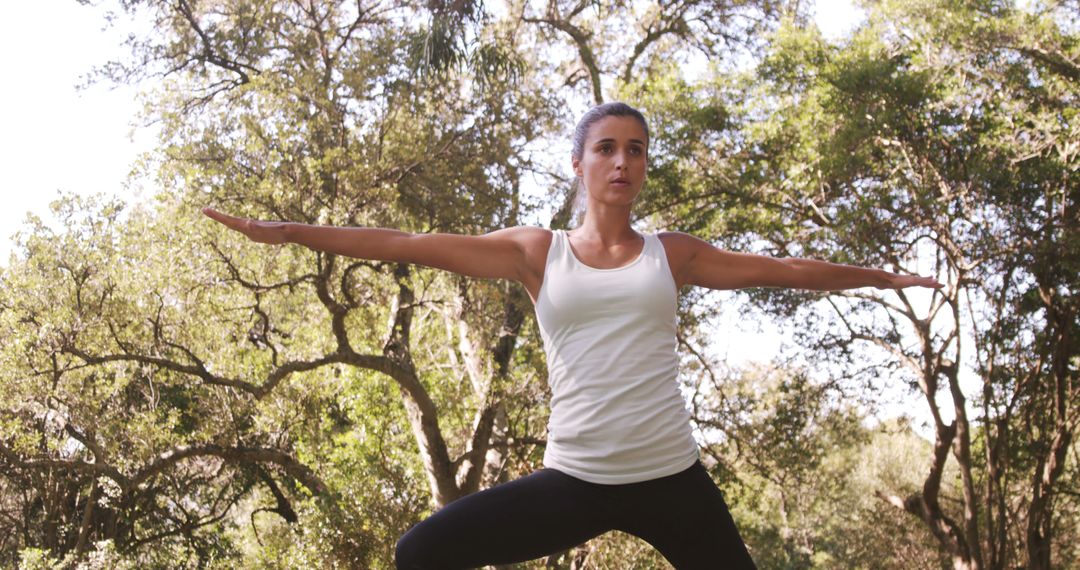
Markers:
<point>577,167</point>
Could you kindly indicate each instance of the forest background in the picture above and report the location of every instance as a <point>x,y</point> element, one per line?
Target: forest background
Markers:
<point>172,396</point>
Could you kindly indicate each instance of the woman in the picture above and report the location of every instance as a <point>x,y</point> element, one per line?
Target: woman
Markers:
<point>620,453</point>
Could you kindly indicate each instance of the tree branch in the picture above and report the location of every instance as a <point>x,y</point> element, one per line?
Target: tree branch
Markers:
<point>239,454</point>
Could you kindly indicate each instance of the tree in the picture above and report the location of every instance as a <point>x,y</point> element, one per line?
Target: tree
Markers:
<point>893,150</point>
<point>340,114</point>
<point>190,397</point>
<point>800,463</point>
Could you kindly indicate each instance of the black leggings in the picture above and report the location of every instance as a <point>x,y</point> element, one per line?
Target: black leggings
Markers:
<point>683,515</point>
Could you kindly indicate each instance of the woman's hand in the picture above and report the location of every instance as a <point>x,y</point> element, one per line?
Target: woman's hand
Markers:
<point>896,281</point>
<point>262,232</point>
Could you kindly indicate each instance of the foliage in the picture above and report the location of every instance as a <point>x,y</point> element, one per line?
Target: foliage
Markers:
<point>892,151</point>
<point>173,397</point>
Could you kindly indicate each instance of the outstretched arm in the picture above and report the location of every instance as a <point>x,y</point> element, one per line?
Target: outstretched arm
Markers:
<point>499,254</point>
<point>711,267</point>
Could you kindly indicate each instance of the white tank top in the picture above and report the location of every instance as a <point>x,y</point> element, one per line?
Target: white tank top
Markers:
<point>617,415</point>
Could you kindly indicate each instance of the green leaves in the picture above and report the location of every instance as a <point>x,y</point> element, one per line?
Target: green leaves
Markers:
<point>939,138</point>
<point>452,43</point>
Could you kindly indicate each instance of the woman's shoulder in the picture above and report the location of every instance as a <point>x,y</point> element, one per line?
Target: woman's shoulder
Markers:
<point>681,241</point>
<point>534,241</point>
<point>680,248</point>
<point>529,230</point>
<point>529,234</point>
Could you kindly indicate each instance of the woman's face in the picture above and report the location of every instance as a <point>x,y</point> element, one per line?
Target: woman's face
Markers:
<point>613,161</point>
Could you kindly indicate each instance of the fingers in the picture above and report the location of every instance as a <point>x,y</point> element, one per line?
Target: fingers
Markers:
<point>229,221</point>
<point>897,281</point>
<point>927,282</point>
<point>216,215</point>
<point>255,230</point>
<point>917,281</point>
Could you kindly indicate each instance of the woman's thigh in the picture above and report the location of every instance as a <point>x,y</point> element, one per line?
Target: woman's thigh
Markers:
<point>685,517</point>
<point>536,515</point>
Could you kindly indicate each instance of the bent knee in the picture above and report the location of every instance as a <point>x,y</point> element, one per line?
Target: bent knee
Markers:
<point>412,552</point>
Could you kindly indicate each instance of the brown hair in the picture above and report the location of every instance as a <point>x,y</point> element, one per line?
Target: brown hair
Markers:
<point>613,109</point>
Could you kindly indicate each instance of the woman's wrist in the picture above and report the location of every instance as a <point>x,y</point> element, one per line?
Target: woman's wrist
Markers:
<point>289,231</point>
<point>884,279</point>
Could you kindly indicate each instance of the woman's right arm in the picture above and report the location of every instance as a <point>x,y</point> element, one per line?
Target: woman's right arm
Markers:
<point>498,254</point>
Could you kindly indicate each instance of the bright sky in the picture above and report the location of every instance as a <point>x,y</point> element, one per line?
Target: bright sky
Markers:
<point>54,137</point>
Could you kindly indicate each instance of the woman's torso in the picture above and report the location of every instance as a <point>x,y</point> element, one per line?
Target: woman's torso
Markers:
<point>617,415</point>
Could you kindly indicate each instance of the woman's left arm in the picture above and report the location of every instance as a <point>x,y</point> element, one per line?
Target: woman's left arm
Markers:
<point>712,267</point>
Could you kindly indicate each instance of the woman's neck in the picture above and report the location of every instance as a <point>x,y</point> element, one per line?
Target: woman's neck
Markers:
<point>610,230</point>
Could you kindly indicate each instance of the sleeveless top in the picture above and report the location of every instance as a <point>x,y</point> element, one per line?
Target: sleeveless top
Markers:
<point>617,415</point>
